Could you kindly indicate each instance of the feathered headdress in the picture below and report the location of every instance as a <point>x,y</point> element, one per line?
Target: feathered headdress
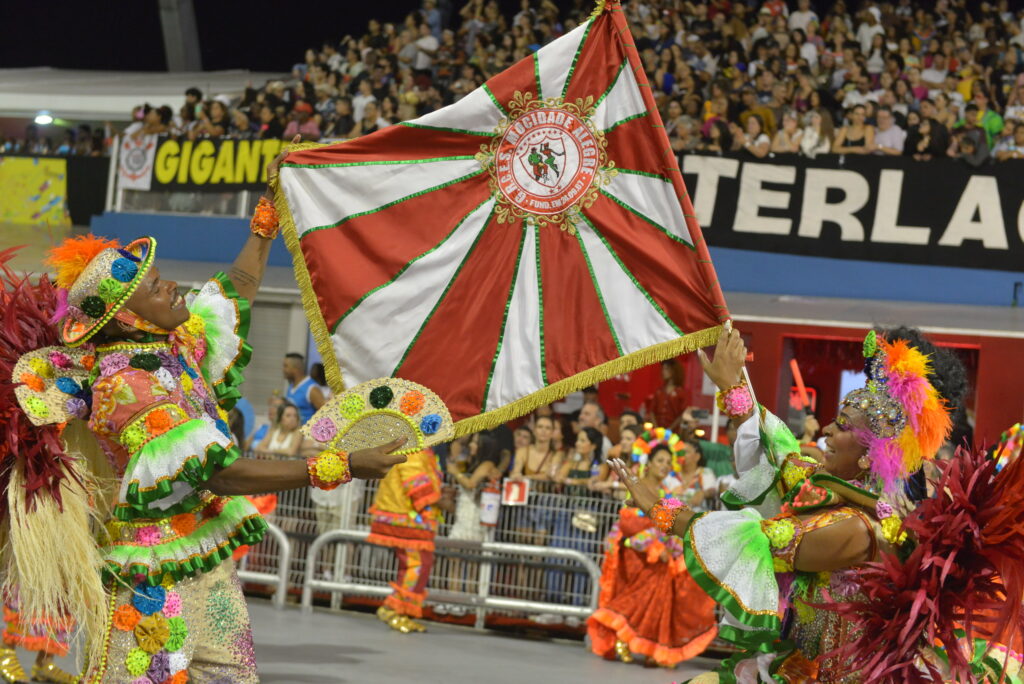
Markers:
<point>907,419</point>
<point>654,436</point>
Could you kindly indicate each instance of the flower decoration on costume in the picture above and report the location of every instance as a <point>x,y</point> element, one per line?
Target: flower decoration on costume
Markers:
<point>146,362</point>
<point>159,667</point>
<point>158,422</point>
<point>136,662</point>
<point>93,307</point>
<point>112,363</point>
<point>892,530</point>
<point>151,633</point>
<point>779,532</point>
<point>178,627</point>
<point>907,419</point>
<point>352,406</point>
<point>178,663</point>
<point>165,378</point>
<point>68,386</point>
<point>41,367</point>
<point>148,535</point>
<point>324,430</point>
<point>184,524</point>
<point>36,407</point>
<point>124,269</point>
<point>76,407</point>
<point>143,680</point>
<point>149,599</point>
<point>133,437</point>
<point>110,290</point>
<point>430,424</point>
<point>381,396</point>
<point>411,403</point>
<point>33,382</point>
<point>126,617</point>
<point>60,360</point>
<point>172,605</point>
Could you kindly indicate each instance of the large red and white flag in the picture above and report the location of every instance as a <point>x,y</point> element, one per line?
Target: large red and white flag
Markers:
<point>531,239</point>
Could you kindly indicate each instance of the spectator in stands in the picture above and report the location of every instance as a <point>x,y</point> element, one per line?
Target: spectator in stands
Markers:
<point>817,134</point>
<point>665,406</point>
<point>856,137</point>
<point>274,404</point>
<point>284,438</point>
<point>270,127</point>
<point>481,467</point>
<point>787,140</point>
<point>969,143</point>
<point>522,437</point>
<point>155,121</point>
<point>696,481</point>
<point>213,120</point>
<point>1013,149</point>
<point>756,141</point>
<point>930,140</point>
<point>890,138</point>
<point>340,123</point>
<point>302,123</point>
<point>371,122</point>
<point>194,99</point>
<point>987,120</point>
<point>303,392</point>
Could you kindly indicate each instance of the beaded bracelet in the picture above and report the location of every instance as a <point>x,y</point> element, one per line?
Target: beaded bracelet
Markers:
<point>264,219</point>
<point>735,401</point>
<point>329,469</point>
<point>664,513</point>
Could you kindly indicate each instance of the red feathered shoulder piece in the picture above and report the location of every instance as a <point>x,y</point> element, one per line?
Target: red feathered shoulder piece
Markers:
<point>966,575</point>
<point>27,308</point>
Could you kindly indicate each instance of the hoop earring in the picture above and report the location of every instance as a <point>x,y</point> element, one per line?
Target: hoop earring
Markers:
<point>864,462</point>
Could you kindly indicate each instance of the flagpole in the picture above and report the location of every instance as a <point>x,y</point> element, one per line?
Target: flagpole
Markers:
<point>671,165</point>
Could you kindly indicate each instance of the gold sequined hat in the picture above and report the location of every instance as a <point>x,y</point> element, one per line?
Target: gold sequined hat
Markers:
<point>379,411</point>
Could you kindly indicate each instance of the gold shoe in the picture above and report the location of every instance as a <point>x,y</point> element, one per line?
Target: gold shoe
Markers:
<point>405,624</point>
<point>51,673</point>
<point>384,614</point>
<point>622,651</point>
<point>10,669</point>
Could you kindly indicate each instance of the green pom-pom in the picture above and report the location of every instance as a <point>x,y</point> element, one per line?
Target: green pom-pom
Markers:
<point>381,396</point>
<point>136,662</point>
<point>177,627</point>
<point>110,290</point>
<point>352,406</point>
<point>870,345</point>
<point>146,362</point>
<point>93,306</point>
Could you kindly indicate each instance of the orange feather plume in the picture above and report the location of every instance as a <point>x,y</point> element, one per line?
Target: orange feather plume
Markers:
<point>70,257</point>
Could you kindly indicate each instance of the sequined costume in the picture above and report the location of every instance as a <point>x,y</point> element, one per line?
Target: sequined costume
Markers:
<point>159,413</point>
<point>649,603</point>
<point>406,518</point>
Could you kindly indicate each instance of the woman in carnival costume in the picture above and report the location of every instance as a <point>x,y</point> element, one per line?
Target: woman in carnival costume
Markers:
<point>649,604</point>
<point>791,564</point>
<point>148,375</point>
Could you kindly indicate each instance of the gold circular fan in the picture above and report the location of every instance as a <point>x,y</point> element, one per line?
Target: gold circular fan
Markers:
<point>379,411</point>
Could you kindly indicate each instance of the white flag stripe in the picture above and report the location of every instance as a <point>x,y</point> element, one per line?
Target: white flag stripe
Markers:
<point>555,59</point>
<point>638,324</point>
<point>324,196</point>
<point>517,371</point>
<point>623,101</point>
<point>475,112</point>
<point>652,197</point>
<point>371,340</point>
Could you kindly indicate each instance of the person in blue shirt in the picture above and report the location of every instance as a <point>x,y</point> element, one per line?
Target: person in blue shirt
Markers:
<point>302,389</point>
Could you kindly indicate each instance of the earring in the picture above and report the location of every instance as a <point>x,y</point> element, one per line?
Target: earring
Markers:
<point>864,463</point>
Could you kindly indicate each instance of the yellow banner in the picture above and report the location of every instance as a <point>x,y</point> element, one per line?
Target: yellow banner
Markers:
<point>35,191</point>
<point>193,164</point>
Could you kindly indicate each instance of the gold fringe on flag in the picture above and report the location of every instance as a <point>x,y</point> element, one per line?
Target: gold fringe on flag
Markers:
<point>624,364</point>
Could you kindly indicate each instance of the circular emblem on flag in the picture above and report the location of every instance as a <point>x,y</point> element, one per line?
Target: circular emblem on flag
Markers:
<point>547,160</point>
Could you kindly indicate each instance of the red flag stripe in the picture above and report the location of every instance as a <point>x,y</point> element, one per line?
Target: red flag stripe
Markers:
<point>454,350</point>
<point>631,146</point>
<point>598,62</point>
<point>521,76</point>
<point>349,262</point>
<point>576,333</point>
<point>394,143</point>
<point>663,266</point>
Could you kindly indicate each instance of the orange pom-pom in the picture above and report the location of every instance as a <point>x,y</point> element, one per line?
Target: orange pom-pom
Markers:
<point>126,617</point>
<point>184,524</point>
<point>72,256</point>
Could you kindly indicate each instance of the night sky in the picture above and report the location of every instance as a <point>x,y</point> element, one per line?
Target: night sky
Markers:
<point>258,35</point>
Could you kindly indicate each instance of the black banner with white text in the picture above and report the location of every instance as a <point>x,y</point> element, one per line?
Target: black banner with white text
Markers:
<point>862,207</point>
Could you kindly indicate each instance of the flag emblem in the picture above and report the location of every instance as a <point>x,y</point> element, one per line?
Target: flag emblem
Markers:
<point>545,158</point>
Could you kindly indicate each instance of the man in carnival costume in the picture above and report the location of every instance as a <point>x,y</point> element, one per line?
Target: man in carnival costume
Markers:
<point>149,373</point>
<point>791,562</point>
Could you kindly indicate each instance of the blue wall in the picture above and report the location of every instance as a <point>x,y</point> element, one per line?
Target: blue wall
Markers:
<point>192,238</point>
<point>207,238</point>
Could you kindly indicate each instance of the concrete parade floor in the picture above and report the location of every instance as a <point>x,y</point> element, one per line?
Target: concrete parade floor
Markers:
<point>328,647</point>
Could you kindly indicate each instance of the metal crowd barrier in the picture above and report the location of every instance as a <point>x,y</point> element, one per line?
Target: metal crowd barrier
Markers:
<point>278,578</point>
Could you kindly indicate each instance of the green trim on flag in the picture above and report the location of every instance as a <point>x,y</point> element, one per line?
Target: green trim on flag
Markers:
<point>614,81</point>
<point>576,57</point>
<point>597,289</point>
<point>626,120</point>
<point>540,308</point>
<point>648,219</point>
<point>393,203</point>
<point>636,283</point>
<point>404,268</point>
<point>444,293</point>
<point>381,162</point>
<point>536,75</point>
<point>410,124</point>
<point>635,172</point>
<point>494,100</point>
<point>504,319</point>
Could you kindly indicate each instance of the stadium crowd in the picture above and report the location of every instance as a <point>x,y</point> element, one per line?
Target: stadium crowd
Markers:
<point>920,78</point>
